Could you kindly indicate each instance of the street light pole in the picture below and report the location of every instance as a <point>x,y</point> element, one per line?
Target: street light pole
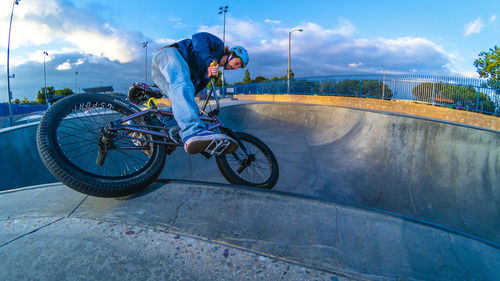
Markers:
<point>9,93</point>
<point>45,79</point>
<point>289,55</point>
<point>223,10</point>
<point>145,45</point>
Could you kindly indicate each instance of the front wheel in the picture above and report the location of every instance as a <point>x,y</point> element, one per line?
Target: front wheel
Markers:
<point>75,149</point>
<point>259,168</point>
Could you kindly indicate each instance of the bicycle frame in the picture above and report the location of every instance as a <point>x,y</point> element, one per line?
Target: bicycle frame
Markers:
<point>207,117</point>
<point>119,124</point>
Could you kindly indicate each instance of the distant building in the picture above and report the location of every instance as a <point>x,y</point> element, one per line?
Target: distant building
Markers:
<point>99,90</point>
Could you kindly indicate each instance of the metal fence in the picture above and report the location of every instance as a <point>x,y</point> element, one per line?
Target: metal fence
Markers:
<point>457,92</point>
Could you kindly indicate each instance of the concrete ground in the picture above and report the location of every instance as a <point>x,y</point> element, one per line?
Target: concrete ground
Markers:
<point>185,230</point>
<point>361,195</point>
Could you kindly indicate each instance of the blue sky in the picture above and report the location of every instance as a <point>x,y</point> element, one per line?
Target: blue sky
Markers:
<point>102,40</point>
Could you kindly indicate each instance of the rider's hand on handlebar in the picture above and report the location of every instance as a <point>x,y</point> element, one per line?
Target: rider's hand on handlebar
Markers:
<point>213,70</point>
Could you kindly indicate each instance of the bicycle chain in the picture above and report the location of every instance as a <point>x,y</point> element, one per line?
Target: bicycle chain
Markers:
<point>126,136</point>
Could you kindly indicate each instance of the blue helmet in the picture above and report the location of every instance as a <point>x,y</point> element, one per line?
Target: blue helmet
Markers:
<point>242,54</point>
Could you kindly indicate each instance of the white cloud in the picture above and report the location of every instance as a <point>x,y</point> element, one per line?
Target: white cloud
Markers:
<point>64,66</point>
<point>272,21</point>
<point>473,27</point>
<point>354,65</point>
<point>468,74</point>
<point>98,49</point>
<point>35,56</point>
<point>24,9</point>
<point>113,48</point>
<point>493,18</point>
<point>42,22</point>
<point>178,24</point>
<point>237,30</point>
<point>174,19</point>
<point>67,65</point>
<point>345,27</point>
<point>165,41</point>
<point>320,50</point>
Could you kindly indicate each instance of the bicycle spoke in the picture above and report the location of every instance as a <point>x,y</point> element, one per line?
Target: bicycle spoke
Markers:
<point>258,170</point>
<point>90,156</point>
<point>85,124</point>
<point>84,154</point>
<point>79,133</point>
<point>85,129</point>
<point>71,150</point>
<point>115,165</point>
<point>78,136</point>
<point>134,159</point>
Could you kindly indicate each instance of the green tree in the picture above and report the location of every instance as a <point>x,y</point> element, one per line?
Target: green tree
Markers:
<point>283,77</point>
<point>25,101</point>
<point>488,66</point>
<point>63,92</point>
<point>259,79</point>
<point>17,101</point>
<point>246,78</point>
<point>370,88</point>
<point>454,95</point>
<point>40,96</point>
<point>376,89</point>
<point>218,81</point>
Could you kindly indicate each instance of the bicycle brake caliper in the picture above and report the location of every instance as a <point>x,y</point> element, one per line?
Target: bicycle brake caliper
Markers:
<point>217,147</point>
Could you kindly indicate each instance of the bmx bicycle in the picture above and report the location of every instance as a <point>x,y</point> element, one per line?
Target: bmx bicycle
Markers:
<point>105,146</point>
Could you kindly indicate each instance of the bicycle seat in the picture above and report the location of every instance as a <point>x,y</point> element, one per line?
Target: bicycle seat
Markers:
<point>139,93</point>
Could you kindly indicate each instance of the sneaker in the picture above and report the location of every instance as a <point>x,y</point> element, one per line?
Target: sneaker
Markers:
<point>198,142</point>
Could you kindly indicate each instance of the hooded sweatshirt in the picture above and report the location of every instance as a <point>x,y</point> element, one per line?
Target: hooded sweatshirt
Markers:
<point>199,52</point>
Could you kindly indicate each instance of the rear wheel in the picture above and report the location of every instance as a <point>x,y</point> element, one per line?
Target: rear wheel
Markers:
<point>76,149</point>
<point>258,169</point>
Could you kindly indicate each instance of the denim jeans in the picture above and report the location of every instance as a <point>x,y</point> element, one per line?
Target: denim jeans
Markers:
<point>171,74</point>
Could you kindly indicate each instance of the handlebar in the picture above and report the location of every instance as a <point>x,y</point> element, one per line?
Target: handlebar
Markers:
<point>212,82</point>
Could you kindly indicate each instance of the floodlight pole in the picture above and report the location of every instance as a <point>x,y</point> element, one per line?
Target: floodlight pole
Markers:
<point>223,10</point>
<point>145,45</point>
<point>9,93</point>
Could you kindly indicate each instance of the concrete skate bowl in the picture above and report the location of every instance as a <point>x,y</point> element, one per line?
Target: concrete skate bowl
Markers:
<point>434,173</point>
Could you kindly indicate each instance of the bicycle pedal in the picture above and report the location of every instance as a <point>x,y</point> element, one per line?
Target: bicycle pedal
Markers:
<point>217,147</point>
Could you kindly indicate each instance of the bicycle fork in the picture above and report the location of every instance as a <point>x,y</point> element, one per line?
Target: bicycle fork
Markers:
<point>105,144</point>
<point>249,157</point>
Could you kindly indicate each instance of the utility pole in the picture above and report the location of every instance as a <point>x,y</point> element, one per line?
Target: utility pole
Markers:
<point>76,82</point>
<point>45,54</point>
<point>383,83</point>
<point>289,55</point>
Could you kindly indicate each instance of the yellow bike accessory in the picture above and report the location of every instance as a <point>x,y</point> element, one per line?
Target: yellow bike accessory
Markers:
<point>151,100</point>
<point>214,63</point>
